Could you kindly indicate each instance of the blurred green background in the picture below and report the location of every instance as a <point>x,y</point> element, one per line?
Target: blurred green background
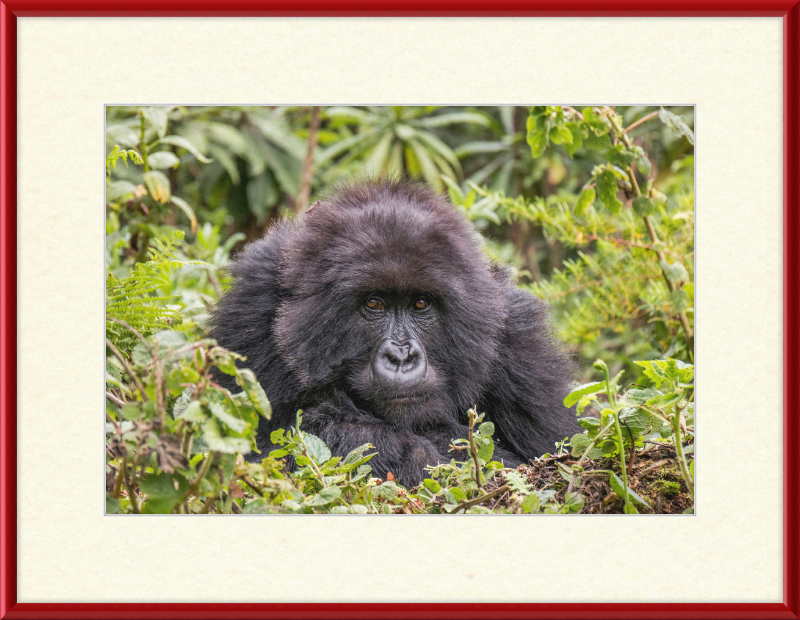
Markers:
<point>615,262</point>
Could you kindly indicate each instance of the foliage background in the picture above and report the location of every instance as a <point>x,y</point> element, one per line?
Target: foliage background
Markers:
<point>244,171</point>
<point>593,206</point>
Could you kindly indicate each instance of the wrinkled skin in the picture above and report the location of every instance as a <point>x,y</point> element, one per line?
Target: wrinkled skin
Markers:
<point>378,315</point>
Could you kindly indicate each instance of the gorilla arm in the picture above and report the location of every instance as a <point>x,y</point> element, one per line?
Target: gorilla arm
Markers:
<point>530,381</point>
<point>344,427</point>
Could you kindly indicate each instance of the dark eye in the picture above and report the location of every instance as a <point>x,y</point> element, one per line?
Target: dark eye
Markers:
<point>421,303</point>
<point>375,304</point>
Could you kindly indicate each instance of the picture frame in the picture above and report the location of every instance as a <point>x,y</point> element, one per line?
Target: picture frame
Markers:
<point>11,607</point>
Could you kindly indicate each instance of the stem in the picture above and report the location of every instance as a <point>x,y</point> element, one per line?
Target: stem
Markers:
<point>641,120</point>
<point>622,459</point>
<point>186,444</point>
<point>676,432</point>
<point>469,504</point>
<point>118,483</point>
<point>612,400</point>
<point>129,486</point>
<point>142,142</point>
<point>203,471</point>
<point>115,399</point>
<point>473,451</point>
<point>308,165</point>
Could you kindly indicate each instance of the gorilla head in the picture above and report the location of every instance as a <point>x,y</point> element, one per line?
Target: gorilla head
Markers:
<point>377,314</point>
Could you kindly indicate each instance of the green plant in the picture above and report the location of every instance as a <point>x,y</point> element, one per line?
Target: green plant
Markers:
<point>647,414</point>
<point>394,141</point>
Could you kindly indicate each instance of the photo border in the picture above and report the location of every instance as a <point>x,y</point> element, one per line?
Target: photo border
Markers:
<point>789,10</point>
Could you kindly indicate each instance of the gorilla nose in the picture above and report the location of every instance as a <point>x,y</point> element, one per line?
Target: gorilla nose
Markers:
<point>400,364</point>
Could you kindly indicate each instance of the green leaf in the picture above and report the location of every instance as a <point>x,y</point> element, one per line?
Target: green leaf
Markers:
<point>432,485</point>
<point>184,206</point>
<point>219,443</point>
<point>255,392</point>
<point>530,504</point>
<point>193,413</point>
<point>457,494</point>
<point>162,160</point>
<point>158,185</point>
<point>637,420</point>
<point>317,449</point>
<point>163,491</point>
<point>665,400</point>
<point>325,496</point>
<point>607,191</point>
<point>580,442</point>
<point>537,140</point>
<point>679,300</point>
<point>641,396</point>
<point>443,120</point>
<point>619,155</point>
<point>643,206</point>
<point>577,138</point>
<point>583,390</point>
<point>118,190</point>
<point>486,450</point>
<point>560,135</point>
<point>122,135</point>
<point>676,122</point>
<point>643,164</point>
<point>676,272</point>
<point>517,483</point>
<point>387,490</point>
<point>585,200</point>
<point>573,502</point>
<point>131,411</point>
<point>157,117</point>
<point>486,429</point>
<point>357,455</point>
<point>186,144</point>
<point>237,425</point>
<point>619,488</point>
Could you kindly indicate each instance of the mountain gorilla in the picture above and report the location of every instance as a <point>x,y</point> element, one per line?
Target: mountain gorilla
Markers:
<point>378,315</point>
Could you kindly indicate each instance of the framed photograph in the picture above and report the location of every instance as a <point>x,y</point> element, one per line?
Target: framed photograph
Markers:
<point>66,65</point>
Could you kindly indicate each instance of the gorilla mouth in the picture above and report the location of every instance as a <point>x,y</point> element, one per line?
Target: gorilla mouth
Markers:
<point>406,399</point>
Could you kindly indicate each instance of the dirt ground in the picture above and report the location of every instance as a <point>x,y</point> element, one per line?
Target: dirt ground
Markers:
<point>655,476</point>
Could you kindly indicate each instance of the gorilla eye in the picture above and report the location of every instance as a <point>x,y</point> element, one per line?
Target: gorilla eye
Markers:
<point>375,304</point>
<point>421,303</point>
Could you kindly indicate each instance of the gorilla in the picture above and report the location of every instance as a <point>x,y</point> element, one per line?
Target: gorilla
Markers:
<point>377,313</point>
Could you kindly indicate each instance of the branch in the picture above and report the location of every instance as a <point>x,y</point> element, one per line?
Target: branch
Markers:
<point>641,120</point>
<point>469,504</point>
<point>308,164</point>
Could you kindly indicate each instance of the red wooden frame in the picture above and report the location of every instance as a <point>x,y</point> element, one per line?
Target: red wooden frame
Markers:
<point>11,9</point>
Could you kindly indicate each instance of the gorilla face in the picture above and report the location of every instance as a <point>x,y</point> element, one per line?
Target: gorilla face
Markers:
<point>380,298</point>
<point>396,379</point>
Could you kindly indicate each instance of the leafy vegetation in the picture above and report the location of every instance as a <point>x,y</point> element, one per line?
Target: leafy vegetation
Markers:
<point>594,207</point>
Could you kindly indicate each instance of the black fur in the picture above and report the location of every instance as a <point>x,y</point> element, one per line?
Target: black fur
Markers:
<point>297,311</point>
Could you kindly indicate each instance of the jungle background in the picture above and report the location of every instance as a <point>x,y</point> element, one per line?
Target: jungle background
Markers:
<point>592,205</point>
